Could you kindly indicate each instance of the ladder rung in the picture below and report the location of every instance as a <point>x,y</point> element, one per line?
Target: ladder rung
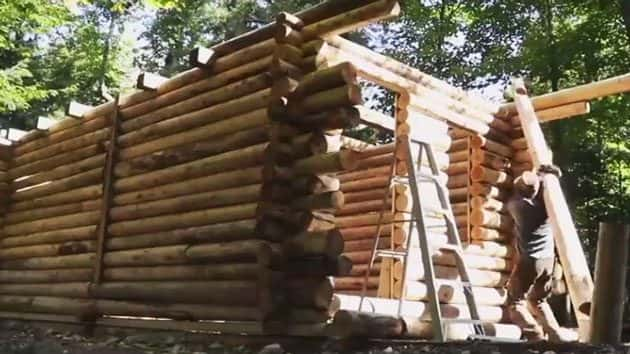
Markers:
<point>453,282</point>
<point>390,253</point>
<point>463,320</point>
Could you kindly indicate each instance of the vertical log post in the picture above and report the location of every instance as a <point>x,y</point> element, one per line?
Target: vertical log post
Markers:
<point>610,283</point>
<point>568,244</point>
<point>108,185</point>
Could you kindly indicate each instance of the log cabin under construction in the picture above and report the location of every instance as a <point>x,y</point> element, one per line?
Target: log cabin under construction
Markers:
<point>227,199</point>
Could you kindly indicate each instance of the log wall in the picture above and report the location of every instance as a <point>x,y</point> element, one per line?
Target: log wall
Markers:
<point>228,193</point>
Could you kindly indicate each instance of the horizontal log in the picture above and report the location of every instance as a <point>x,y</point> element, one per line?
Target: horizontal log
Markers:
<point>258,251</point>
<point>486,234</point>
<point>180,204</point>
<point>42,213</point>
<point>192,120</point>
<point>326,163</point>
<point>54,223</point>
<point>418,308</point>
<point>458,167</point>
<point>489,175</point>
<point>491,219</point>
<point>417,291</point>
<point>342,96</point>
<point>87,178</point>
<point>91,308</point>
<point>213,182</point>
<point>478,277</point>
<point>355,283</point>
<point>364,207</point>
<point>480,202</point>
<point>54,162</point>
<point>242,131</point>
<point>318,266</point>
<point>232,271</point>
<point>232,160</point>
<point>69,196</point>
<point>61,147</point>
<point>229,231</point>
<point>489,248</point>
<point>46,276</point>
<point>54,236</point>
<point>478,142</point>
<point>364,173</point>
<point>338,118</point>
<point>325,79</point>
<point>366,244</point>
<point>363,220</point>
<point>366,184</point>
<point>364,232</point>
<point>486,190</point>
<point>488,159</point>
<point>50,139</point>
<point>59,172</point>
<point>330,201</point>
<point>183,220</point>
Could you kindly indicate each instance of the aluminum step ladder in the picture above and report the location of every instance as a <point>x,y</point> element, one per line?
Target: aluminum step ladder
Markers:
<point>453,245</point>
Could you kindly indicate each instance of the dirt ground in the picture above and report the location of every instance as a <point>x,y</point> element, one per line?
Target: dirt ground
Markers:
<point>21,338</point>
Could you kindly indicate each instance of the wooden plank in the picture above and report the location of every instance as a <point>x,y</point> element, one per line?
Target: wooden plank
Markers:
<point>576,271</point>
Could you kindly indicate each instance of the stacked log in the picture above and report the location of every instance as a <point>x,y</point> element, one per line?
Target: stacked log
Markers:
<point>365,190</point>
<point>5,159</point>
<point>55,188</point>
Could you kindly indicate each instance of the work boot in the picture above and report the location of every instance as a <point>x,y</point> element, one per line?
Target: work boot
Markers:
<point>544,316</point>
<point>520,316</point>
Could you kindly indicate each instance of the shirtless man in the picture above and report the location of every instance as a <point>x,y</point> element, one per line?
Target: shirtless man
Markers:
<point>531,280</point>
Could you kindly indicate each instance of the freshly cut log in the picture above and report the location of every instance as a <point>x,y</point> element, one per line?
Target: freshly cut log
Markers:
<point>359,257</point>
<point>229,231</point>
<point>364,173</point>
<point>327,163</point>
<point>42,213</point>
<point>239,195</point>
<point>486,158</point>
<point>458,167</point>
<point>366,244</point>
<point>491,219</point>
<point>485,234</point>
<point>354,283</point>
<point>60,172</point>
<point>479,142</point>
<point>458,181</point>
<point>339,118</point>
<point>489,248</point>
<point>458,156</point>
<point>55,236</point>
<point>232,160</point>
<point>219,181</point>
<point>474,261</point>
<point>245,130</point>
<point>417,308</point>
<point>488,175</point>
<point>365,184</point>
<point>363,220</point>
<point>342,96</point>
<point>488,191</point>
<point>360,269</point>
<point>480,202</point>
<point>361,196</point>
<point>314,143</point>
<point>376,161</point>
<point>364,232</point>
<point>487,278</point>
<point>90,177</point>
<point>184,220</point>
<point>417,291</point>
<point>364,207</point>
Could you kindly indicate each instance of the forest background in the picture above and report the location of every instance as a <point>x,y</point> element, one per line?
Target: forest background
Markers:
<point>54,51</point>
